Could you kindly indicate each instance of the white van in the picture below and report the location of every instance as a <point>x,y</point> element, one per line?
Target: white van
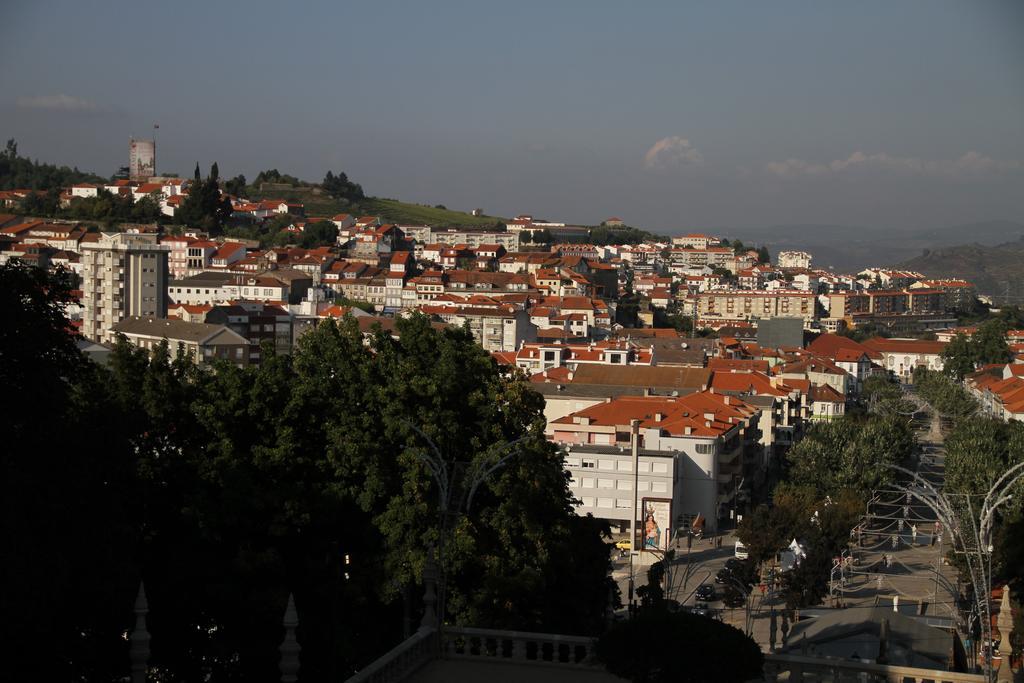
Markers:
<point>741,551</point>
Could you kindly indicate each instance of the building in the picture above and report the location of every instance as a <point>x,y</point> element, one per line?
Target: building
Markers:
<point>794,259</point>
<point>902,356</point>
<point>123,275</point>
<point>688,456</point>
<point>203,288</point>
<point>141,159</point>
<point>257,322</point>
<point>203,343</point>
<point>502,328</point>
<point>718,307</point>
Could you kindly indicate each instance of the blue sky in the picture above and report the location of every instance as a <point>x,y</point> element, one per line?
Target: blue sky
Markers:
<point>671,115</point>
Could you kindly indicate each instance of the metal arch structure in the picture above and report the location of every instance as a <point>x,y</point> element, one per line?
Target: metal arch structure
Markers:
<point>971,535</point>
<point>448,481</point>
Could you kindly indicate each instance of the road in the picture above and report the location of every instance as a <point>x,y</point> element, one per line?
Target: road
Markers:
<point>899,560</point>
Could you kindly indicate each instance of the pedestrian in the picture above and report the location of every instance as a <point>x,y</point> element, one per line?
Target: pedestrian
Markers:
<point>895,541</point>
<point>913,533</point>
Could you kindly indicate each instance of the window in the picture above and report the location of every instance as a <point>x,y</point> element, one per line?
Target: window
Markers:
<point>705,448</point>
<point>605,502</point>
<point>605,483</point>
<point>659,486</point>
<point>624,466</point>
<point>660,467</point>
<point>588,482</point>
<point>589,462</point>
<point>572,462</point>
<point>622,504</point>
<point>623,485</point>
<point>606,465</point>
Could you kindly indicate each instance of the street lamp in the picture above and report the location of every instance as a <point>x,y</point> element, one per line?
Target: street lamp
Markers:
<point>972,535</point>
<point>447,481</point>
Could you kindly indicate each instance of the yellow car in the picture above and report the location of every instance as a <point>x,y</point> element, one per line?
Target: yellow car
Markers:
<point>624,546</point>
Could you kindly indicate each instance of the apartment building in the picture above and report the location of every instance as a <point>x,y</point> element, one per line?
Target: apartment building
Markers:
<point>688,453</point>
<point>475,239</point>
<point>794,259</point>
<point>501,328</point>
<point>123,275</point>
<point>726,306</point>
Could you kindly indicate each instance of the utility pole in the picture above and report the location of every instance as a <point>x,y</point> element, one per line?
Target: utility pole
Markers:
<point>634,438</point>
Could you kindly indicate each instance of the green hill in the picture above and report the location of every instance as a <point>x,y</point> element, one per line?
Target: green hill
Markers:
<point>318,203</point>
<point>989,268</point>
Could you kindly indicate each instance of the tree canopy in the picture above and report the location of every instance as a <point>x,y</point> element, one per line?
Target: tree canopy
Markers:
<point>226,490</point>
<point>204,205</point>
<point>18,172</point>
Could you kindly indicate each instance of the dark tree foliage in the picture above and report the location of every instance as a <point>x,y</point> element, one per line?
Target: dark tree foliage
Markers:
<point>275,176</point>
<point>986,346</point>
<point>204,206</point>
<point>68,506</point>
<point>235,186</point>
<point>18,172</point>
<point>662,647</point>
<point>340,187</point>
<point>226,490</point>
<point>321,233</point>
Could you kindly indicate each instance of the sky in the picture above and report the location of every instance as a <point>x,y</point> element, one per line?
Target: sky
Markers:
<point>670,115</point>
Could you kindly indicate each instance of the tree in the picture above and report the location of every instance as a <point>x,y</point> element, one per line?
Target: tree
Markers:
<point>67,512</point>
<point>989,343</point>
<point>959,357</point>
<point>658,646</point>
<point>235,186</point>
<point>339,187</point>
<point>762,255</point>
<point>318,234</point>
<point>850,453</point>
<point>205,206</point>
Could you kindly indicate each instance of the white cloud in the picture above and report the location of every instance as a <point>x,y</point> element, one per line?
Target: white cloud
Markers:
<point>970,164</point>
<point>57,103</point>
<point>672,151</point>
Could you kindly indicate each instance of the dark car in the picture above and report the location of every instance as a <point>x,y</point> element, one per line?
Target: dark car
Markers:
<point>724,576</point>
<point>706,592</point>
<point>733,564</point>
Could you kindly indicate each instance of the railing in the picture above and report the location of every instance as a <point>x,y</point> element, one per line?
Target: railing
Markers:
<point>797,668</point>
<point>402,660</point>
<point>547,649</point>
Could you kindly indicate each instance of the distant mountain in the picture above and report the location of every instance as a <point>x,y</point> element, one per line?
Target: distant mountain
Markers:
<point>989,268</point>
<point>850,248</point>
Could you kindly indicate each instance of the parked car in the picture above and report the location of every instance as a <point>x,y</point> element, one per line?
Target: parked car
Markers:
<point>724,576</point>
<point>740,551</point>
<point>706,592</point>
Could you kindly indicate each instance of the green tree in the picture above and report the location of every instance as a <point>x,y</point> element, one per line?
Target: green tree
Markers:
<point>236,186</point>
<point>959,358</point>
<point>989,342</point>
<point>762,255</point>
<point>205,206</point>
<point>340,187</point>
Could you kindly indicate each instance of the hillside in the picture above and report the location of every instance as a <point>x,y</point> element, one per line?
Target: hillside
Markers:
<point>318,203</point>
<point>989,268</point>
<point>850,248</point>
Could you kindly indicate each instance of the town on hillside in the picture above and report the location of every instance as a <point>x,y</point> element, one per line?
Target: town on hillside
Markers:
<point>733,416</point>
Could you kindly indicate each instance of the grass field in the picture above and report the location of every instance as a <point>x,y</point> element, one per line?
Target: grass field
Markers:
<point>390,210</point>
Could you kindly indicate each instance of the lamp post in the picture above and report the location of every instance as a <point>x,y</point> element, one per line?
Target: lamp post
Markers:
<point>448,480</point>
<point>971,535</point>
<point>634,445</point>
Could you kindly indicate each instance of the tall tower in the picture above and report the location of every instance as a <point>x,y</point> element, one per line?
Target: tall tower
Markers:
<point>123,275</point>
<point>141,159</point>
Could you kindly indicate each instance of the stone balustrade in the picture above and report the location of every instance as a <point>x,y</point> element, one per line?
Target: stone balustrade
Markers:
<point>548,649</point>
<point>797,668</point>
<point>403,659</point>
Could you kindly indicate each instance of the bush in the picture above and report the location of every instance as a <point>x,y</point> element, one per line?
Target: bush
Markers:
<point>659,646</point>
